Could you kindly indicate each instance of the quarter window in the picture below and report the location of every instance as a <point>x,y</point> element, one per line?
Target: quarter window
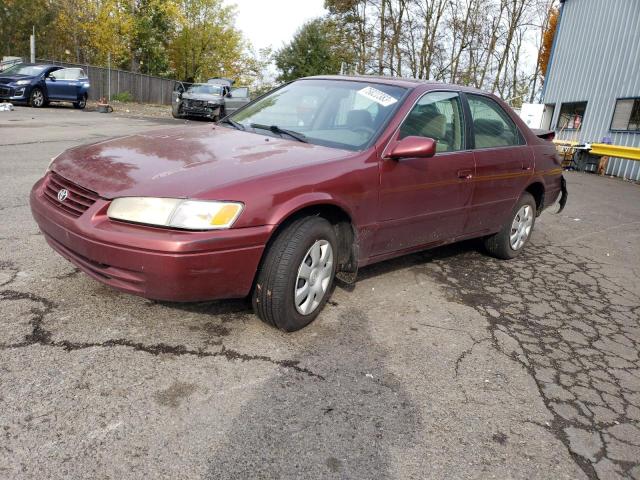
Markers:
<point>437,115</point>
<point>571,115</point>
<point>626,116</point>
<point>492,127</point>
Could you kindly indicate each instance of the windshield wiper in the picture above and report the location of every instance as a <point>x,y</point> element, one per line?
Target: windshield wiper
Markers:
<point>280,131</point>
<point>234,124</point>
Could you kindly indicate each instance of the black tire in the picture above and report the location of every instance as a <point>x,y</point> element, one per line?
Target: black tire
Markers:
<point>499,245</point>
<point>37,98</point>
<point>81,104</point>
<point>273,296</point>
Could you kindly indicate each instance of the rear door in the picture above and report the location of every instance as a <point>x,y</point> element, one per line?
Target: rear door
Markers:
<point>425,201</point>
<point>503,164</point>
<point>72,83</point>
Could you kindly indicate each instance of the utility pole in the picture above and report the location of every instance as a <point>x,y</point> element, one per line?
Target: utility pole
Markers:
<point>33,45</point>
<point>109,77</point>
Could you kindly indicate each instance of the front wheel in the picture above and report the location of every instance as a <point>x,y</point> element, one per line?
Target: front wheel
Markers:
<point>515,234</point>
<point>36,99</point>
<point>80,104</point>
<point>296,276</point>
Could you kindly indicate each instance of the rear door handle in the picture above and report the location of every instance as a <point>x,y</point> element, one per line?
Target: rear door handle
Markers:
<point>465,174</point>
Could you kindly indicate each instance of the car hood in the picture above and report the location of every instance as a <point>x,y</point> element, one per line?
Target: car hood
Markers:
<point>6,79</point>
<point>184,162</point>
<point>201,96</point>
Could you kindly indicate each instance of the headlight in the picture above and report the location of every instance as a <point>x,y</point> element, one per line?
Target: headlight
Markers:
<point>23,82</point>
<point>175,212</point>
<point>212,103</point>
<point>86,85</point>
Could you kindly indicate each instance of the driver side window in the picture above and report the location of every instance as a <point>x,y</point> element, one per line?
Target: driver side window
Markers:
<point>437,115</point>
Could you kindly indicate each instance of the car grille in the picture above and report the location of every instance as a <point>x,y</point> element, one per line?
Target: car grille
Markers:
<point>78,199</point>
<point>195,103</point>
<point>5,92</point>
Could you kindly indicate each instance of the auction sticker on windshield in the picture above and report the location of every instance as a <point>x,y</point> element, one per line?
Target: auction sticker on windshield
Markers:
<point>377,96</point>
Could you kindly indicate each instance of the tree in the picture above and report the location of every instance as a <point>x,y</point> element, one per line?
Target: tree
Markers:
<point>316,49</point>
<point>547,41</point>
<point>204,47</point>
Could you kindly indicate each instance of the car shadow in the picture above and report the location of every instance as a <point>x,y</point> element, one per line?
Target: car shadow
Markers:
<point>420,258</point>
<point>243,305</point>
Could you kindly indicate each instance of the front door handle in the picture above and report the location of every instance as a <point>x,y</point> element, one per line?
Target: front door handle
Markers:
<point>465,174</point>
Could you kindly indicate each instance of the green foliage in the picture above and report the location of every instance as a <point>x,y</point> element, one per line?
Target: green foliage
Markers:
<point>123,97</point>
<point>316,49</point>
<point>204,48</point>
<point>185,39</point>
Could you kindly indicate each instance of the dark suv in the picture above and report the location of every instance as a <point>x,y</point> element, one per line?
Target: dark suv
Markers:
<point>40,84</point>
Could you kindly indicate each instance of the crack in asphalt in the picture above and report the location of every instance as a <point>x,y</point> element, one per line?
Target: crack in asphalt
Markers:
<point>578,332</point>
<point>41,336</point>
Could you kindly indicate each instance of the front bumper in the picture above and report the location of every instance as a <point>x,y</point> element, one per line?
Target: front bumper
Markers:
<point>13,93</point>
<point>209,111</point>
<point>153,262</point>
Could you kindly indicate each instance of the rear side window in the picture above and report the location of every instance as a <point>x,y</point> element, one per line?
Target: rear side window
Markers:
<point>492,127</point>
<point>68,74</point>
<point>437,115</point>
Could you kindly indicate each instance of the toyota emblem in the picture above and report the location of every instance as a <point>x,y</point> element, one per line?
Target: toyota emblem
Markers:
<point>63,194</point>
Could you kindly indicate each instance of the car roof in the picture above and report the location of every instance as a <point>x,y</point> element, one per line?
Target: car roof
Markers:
<point>410,83</point>
<point>45,65</point>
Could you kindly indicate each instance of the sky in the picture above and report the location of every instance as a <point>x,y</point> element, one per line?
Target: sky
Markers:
<point>273,22</point>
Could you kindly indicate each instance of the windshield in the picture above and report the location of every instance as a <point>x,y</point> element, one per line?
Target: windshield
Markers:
<point>21,69</point>
<point>204,88</point>
<point>335,113</point>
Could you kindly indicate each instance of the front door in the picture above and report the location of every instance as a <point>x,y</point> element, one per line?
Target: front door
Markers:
<point>239,98</point>
<point>176,95</point>
<point>503,164</point>
<point>55,85</point>
<point>425,201</point>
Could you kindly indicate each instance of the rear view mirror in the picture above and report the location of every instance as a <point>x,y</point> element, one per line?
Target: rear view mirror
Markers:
<point>414,147</point>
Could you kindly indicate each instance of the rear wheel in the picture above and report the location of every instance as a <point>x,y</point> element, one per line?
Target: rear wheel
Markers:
<point>296,276</point>
<point>516,232</point>
<point>82,103</point>
<point>36,99</point>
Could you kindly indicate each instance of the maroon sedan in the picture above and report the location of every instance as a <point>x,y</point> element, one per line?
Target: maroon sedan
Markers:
<point>312,181</point>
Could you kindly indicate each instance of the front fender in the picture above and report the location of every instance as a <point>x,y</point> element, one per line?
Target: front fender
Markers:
<point>295,204</point>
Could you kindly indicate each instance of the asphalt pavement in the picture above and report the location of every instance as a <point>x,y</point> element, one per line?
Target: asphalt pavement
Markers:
<point>442,364</point>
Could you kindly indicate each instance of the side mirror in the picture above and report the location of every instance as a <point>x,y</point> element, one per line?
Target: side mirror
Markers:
<point>414,147</point>
<point>228,95</point>
<point>52,77</point>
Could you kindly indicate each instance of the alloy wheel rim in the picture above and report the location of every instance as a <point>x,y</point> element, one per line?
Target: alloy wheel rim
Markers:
<point>314,277</point>
<point>521,227</point>
<point>37,98</point>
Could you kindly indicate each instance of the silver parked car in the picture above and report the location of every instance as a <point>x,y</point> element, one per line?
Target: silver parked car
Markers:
<point>213,100</point>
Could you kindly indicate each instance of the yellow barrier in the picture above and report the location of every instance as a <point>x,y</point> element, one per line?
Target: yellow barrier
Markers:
<point>565,143</point>
<point>603,149</point>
